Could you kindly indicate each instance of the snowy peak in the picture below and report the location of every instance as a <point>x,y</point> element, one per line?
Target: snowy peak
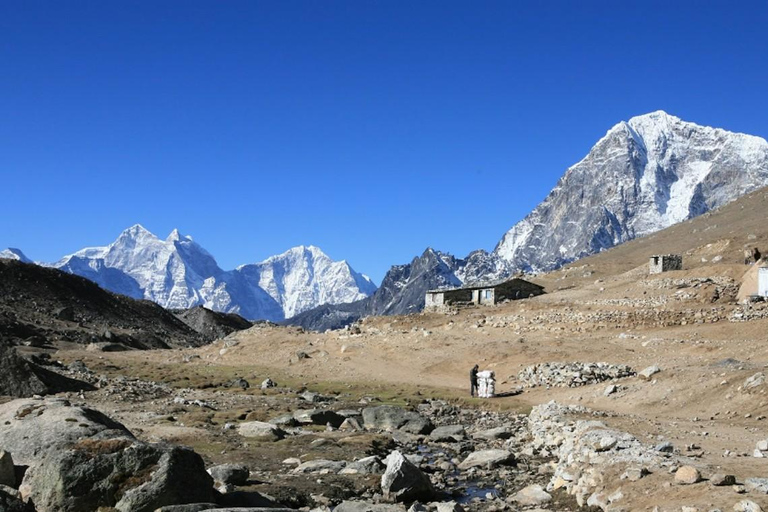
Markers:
<point>136,232</point>
<point>644,175</point>
<point>178,273</point>
<point>12,253</point>
<point>304,277</point>
<point>176,236</point>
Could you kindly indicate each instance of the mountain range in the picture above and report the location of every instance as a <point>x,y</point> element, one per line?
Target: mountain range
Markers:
<point>644,175</point>
<point>178,273</point>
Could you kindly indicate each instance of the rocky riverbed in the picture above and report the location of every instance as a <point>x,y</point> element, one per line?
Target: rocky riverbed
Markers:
<point>268,446</point>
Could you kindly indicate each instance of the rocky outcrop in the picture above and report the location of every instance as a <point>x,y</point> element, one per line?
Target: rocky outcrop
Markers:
<point>31,428</point>
<point>22,378</point>
<point>212,325</point>
<point>260,430</point>
<point>389,417</point>
<point>403,481</point>
<point>80,459</point>
<point>118,472</point>
<point>234,474</point>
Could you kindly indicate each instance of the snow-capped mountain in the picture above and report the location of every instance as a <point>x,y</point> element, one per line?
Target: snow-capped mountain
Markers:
<point>178,273</point>
<point>14,254</point>
<point>646,174</point>
<point>304,277</point>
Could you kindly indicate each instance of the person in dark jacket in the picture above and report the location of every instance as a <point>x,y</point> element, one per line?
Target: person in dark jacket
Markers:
<point>473,380</point>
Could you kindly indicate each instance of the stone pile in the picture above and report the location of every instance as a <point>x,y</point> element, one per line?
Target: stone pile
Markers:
<point>588,450</point>
<point>572,374</point>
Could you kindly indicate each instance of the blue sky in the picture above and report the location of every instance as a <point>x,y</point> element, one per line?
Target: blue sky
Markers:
<point>371,129</point>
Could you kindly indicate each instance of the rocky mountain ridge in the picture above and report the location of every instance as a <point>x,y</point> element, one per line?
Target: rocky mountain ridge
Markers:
<point>644,175</point>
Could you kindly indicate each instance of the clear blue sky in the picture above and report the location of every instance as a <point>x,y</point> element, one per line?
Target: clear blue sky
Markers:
<point>371,129</point>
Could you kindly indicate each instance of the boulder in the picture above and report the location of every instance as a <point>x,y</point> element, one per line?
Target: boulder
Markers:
<point>7,470</point>
<point>494,433</point>
<point>312,397</point>
<point>318,417</point>
<point>118,472</point>
<point>488,458</point>
<point>649,372</point>
<point>687,475</point>
<point>350,425</point>
<point>754,381</point>
<point>285,420</point>
<point>80,459</point>
<point>747,506</point>
<point>448,434</point>
<point>240,383</point>
<point>389,417</point>
<point>720,479</point>
<point>249,509</point>
<point>368,466</point>
<point>260,430</point>
<point>403,481</point>
<point>235,474</point>
<point>320,466</point>
<point>759,485</point>
<point>532,495</point>
<point>33,427</point>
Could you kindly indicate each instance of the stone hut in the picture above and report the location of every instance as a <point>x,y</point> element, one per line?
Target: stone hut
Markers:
<point>483,293</point>
<point>665,262</point>
<point>754,283</point>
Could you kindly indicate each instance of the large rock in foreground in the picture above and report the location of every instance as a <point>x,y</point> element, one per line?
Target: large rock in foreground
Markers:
<point>79,459</point>
<point>389,417</point>
<point>403,481</point>
<point>123,473</point>
<point>30,428</point>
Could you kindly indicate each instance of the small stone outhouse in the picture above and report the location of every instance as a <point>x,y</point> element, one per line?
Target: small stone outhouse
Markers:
<point>665,262</point>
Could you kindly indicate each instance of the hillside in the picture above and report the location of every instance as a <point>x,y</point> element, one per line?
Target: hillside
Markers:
<point>40,306</point>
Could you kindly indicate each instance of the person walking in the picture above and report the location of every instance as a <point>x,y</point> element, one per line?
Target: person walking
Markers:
<point>473,380</point>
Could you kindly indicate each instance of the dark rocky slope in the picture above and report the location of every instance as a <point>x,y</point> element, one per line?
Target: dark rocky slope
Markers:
<point>40,306</point>
<point>212,325</point>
